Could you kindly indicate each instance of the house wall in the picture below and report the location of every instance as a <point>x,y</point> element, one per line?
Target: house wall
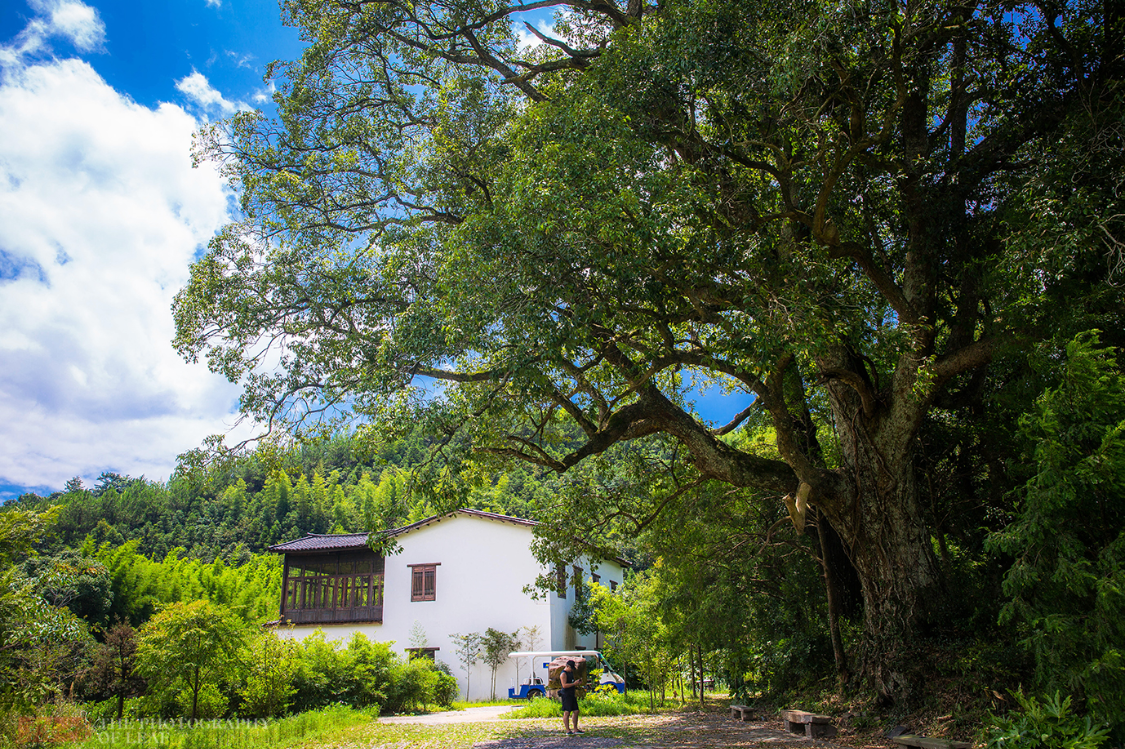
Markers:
<point>484,566</point>
<point>563,636</point>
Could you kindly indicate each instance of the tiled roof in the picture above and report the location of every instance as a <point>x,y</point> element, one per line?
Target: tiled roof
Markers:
<point>472,513</point>
<point>346,541</point>
<point>323,542</point>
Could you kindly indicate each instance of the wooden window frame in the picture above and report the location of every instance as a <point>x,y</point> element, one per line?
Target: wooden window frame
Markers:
<point>595,577</point>
<point>612,586</point>
<point>332,587</point>
<point>427,652</point>
<point>418,593</point>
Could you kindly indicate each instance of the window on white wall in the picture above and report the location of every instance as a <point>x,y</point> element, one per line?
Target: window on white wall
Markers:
<point>423,582</point>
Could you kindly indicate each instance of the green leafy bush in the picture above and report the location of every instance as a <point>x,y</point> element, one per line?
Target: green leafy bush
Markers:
<point>419,683</point>
<point>1068,538</point>
<point>188,653</point>
<point>358,674</point>
<point>1046,724</point>
<point>593,705</point>
<point>269,665</point>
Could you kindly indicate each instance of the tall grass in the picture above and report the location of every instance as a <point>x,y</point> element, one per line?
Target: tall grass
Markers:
<point>223,734</point>
<point>594,705</point>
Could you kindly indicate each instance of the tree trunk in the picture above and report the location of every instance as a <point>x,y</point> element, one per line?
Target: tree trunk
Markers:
<point>691,664</point>
<point>831,586</point>
<point>885,532</point>
<point>701,676</point>
<point>195,696</point>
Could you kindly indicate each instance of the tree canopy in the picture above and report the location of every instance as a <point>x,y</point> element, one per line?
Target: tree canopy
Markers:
<point>861,213</point>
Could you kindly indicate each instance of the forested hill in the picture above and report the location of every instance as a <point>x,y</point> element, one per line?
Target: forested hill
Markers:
<point>233,509</point>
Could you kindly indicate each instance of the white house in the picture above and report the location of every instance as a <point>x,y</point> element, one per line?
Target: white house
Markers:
<point>457,573</point>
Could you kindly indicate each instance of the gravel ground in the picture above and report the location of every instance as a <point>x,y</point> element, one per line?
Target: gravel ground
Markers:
<point>675,731</point>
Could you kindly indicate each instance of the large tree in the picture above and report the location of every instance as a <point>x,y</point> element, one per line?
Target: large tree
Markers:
<point>827,205</point>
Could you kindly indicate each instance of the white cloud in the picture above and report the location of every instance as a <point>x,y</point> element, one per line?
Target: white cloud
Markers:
<point>197,88</point>
<point>527,40</point>
<point>214,3</point>
<point>264,95</point>
<point>241,61</point>
<point>72,20</point>
<point>100,216</point>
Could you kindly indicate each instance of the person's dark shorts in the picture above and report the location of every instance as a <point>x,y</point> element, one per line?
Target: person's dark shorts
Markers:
<point>569,700</point>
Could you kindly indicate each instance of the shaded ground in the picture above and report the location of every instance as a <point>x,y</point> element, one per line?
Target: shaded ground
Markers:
<point>687,728</point>
<point>681,730</point>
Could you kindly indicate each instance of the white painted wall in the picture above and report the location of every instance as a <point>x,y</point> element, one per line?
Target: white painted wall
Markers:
<point>563,636</point>
<point>484,566</point>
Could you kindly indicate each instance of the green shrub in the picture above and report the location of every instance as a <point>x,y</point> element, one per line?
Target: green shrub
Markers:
<point>419,683</point>
<point>593,705</point>
<point>370,667</point>
<point>1068,536</point>
<point>359,674</point>
<point>269,666</point>
<point>1046,724</point>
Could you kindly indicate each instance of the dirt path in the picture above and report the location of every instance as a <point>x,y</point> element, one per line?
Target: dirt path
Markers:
<point>673,731</point>
<point>468,715</point>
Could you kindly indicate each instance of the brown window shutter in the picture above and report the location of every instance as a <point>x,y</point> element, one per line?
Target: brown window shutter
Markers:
<point>423,582</point>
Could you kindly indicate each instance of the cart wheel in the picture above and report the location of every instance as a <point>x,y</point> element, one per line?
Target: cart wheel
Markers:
<point>534,694</point>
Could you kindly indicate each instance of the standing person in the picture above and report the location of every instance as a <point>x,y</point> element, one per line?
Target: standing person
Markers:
<point>570,697</point>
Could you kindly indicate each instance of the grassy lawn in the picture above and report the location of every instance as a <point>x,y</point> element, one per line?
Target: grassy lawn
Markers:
<point>345,728</point>
<point>459,705</point>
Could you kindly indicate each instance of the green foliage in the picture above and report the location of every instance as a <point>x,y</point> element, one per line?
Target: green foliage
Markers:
<point>230,506</point>
<point>269,667</point>
<point>633,628</point>
<point>42,646</point>
<point>72,579</point>
<point>113,667</point>
<point>592,706</point>
<point>188,654</point>
<point>417,683</point>
<point>582,614</point>
<point>367,674</point>
<point>1067,584</point>
<point>469,648</point>
<point>140,585</point>
<point>495,646</point>
<point>1045,724</point>
<point>295,729</point>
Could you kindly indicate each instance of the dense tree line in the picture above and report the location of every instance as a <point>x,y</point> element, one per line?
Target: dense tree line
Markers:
<point>232,508</point>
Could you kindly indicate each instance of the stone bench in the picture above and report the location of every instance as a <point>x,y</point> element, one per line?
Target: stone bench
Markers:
<point>925,742</point>
<point>812,725</point>
<point>742,712</point>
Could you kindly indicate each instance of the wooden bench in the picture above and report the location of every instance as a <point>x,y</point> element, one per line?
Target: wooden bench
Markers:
<point>925,742</point>
<point>742,712</point>
<point>812,725</point>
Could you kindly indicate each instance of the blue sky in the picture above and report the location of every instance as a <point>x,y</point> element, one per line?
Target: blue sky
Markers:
<point>101,214</point>
<point>147,47</point>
